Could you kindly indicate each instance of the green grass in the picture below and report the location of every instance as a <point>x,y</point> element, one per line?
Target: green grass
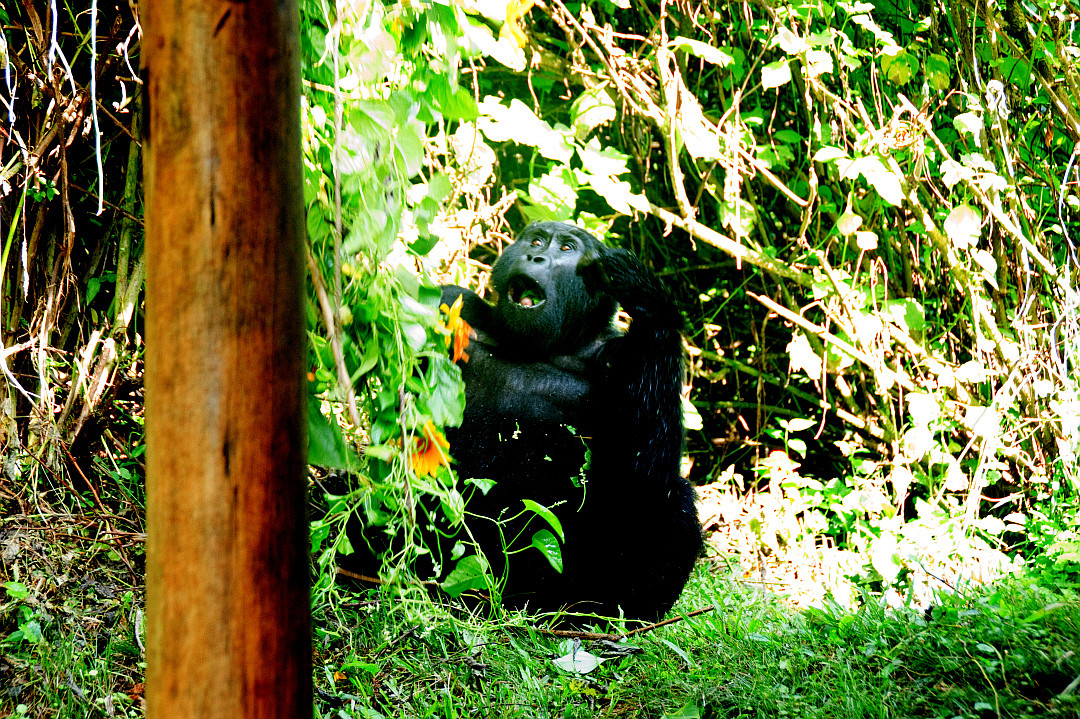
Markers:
<point>70,609</point>
<point>1008,651</point>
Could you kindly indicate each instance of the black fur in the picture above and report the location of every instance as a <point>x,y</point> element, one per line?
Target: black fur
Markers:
<point>548,379</point>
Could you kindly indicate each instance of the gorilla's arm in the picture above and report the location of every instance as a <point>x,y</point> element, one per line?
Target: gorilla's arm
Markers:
<point>645,365</point>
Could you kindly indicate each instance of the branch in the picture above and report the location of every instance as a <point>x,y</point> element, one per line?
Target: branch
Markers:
<point>739,251</point>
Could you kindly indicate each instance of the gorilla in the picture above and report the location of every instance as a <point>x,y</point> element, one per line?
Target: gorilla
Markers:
<point>564,409</point>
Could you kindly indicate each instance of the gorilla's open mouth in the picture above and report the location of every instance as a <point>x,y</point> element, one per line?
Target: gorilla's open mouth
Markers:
<point>525,292</point>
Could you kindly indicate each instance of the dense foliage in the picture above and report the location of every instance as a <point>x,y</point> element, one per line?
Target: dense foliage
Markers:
<point>872,238</point>
<point>867,211</point>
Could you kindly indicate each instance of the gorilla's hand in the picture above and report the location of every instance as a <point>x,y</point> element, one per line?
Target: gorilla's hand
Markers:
<point>622,275</point>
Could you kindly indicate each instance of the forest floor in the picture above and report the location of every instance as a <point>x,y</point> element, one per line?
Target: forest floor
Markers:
<point>758,633</point>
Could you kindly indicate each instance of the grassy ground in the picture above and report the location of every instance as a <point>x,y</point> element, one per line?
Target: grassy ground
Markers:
<point>1007,651</point>
<point>71,617</point>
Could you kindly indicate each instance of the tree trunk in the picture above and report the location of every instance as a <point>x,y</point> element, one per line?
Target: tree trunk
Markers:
<point>227,572</point>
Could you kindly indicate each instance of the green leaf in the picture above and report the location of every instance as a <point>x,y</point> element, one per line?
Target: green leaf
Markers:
<point>938,72</point>
<point>548,545</point>
<point>410,148</point>
<point>907,314</point>
<point>1017,72</point>
<point>31,631</point>
<point>680,651</point>
<point>453,507</point>
<point>592,108</point>
<point>484,485</point>
<point>556,191</point>
<point>326,444</point>
<point>547,515</point>
<point>455,104</point>
<point>470,573</point>
<point>16,590</point>
<point>898,65</point>
<point>690,711</point>
<point>446,403</point>
<point>867,23</point>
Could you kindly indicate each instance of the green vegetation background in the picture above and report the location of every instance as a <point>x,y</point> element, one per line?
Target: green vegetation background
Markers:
<point>867,212</point>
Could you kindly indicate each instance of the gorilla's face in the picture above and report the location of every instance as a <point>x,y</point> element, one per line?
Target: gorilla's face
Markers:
<point>542,301</point>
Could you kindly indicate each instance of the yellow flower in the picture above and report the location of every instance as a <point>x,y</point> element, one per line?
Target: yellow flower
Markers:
<point>457,329</point>
<point>516,10</point>
<point>429,454</point>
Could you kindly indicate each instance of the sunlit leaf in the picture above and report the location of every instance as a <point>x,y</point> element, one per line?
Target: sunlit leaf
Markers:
<point>789,42</point>
<point>923,408</point>
<point>578,661</point>
<point>520,124</point>
<point>592,108</point>
<point>691,417</point>
<point>898,65</point>
<point>848,223</point>
<point>802,356</point>
<point>968,122</point>
<point>697,133</point>
<point>963,225</point>
<point>884,180</point>
<point>866,241</point>
<point>819,62</point>
<point>885,558</point>
<point>775,74</point>
<point>797,424</point>
<point>828,154</point>
<point>706,52</point>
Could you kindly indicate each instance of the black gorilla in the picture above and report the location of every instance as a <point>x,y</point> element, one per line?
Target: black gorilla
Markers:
<point>563,409</point>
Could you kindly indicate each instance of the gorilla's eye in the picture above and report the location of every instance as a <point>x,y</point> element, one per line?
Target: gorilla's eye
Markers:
<point>536,243</point>
<point>566,247</point>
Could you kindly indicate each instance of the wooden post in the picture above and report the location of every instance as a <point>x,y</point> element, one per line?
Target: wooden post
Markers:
<point>228,625</point>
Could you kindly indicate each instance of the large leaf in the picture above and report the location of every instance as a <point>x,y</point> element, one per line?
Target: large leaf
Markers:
<point>547,515</point>
<point>775,74</point>
<point>470,573</point>
<point>520,124</point>
<point>592,108</point>
<point>706,52</point>
<point>326,444</point>
<point>549,546</point>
